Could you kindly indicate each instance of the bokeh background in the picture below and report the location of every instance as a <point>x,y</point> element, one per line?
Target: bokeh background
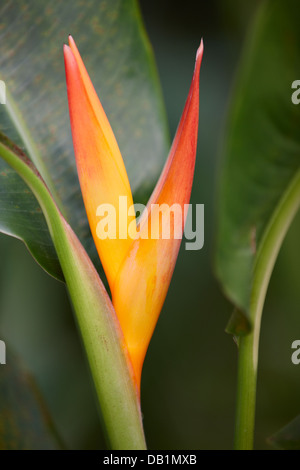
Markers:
<point>189,377</point>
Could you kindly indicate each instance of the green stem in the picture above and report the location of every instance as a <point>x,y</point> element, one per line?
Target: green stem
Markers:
<point>249,345</point>
<point>102,337</point>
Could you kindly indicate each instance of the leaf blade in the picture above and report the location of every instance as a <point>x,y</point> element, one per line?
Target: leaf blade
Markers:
<point>287,438</point>
<point>262,148</point>
<point>24,420</point>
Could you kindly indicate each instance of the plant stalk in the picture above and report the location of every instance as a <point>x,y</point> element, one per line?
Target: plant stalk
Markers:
<point>116,390</point>
<point>249,345</point>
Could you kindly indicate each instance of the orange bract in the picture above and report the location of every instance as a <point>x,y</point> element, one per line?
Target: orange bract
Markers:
<point>139,271</point>
<point>102,174</point>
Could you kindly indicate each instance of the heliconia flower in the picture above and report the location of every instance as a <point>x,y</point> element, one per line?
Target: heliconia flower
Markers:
<point>138,270</point>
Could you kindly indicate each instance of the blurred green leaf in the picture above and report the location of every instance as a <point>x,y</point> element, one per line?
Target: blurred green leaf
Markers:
<point>21,217</point>
<point>24,420</point>
<point>238,324</point>
<point>262,151</point>
<point>114,46</point>
<point>288,438</point>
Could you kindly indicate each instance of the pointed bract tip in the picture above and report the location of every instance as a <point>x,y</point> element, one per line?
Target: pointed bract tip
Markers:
<point>71,41</point>
<point>200,50</point>
<point>67,51</point>
<point>69,59</point>
<point>68,54</point>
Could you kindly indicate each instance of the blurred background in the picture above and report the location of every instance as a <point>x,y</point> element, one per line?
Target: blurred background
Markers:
<point>189,376</point>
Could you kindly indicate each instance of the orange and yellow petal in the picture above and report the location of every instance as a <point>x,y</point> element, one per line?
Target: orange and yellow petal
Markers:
<point>102,174</point>
<point>144,277</point>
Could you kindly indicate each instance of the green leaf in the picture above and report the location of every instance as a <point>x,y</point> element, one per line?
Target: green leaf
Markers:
<point>24,420</point>
<point>288,438</point>
<point>238,324</point>
<point>262,155</point>
<point>259,191</point>
<point>102,336</point>
<point>22,217</point>
<point>114,46</point>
